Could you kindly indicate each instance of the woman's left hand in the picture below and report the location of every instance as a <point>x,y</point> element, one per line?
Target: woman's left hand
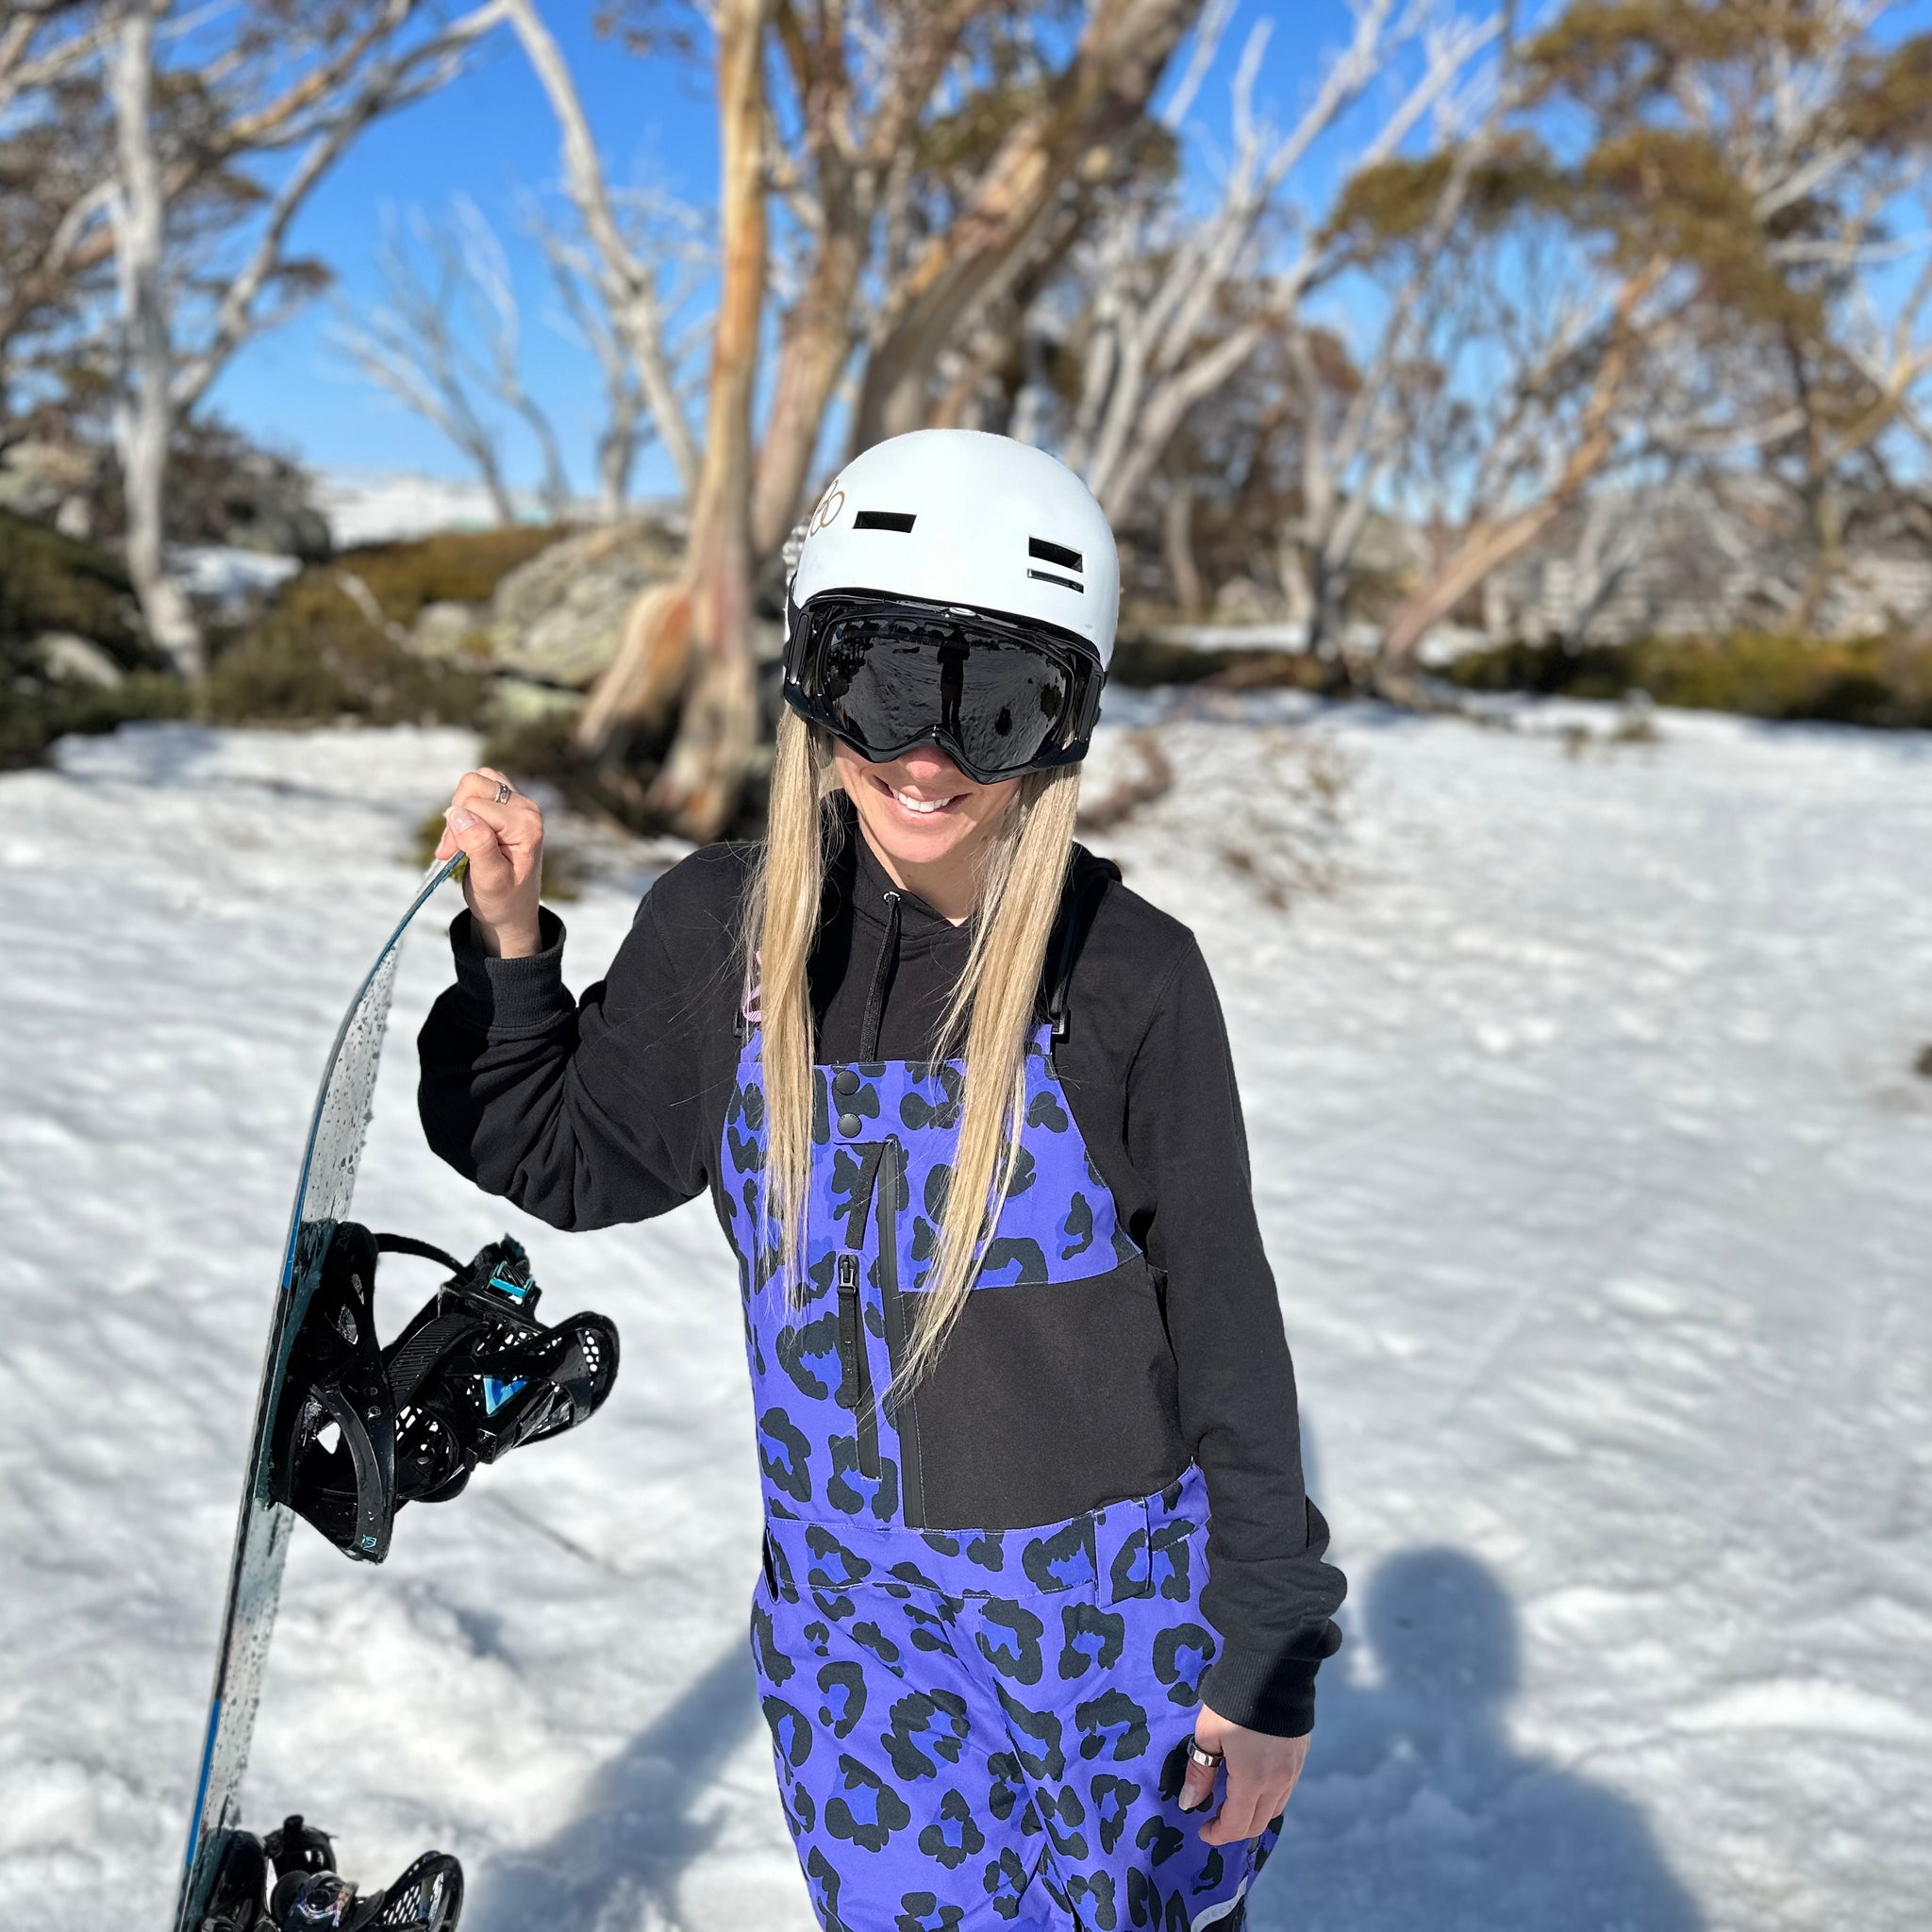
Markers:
<point>1262,1772</point>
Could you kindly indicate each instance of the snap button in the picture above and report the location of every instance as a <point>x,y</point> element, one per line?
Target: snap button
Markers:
<point>848,1124</point>
<point>845,1081</point>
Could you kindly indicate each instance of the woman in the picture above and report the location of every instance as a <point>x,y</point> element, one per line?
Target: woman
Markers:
<point>1039,1571</point>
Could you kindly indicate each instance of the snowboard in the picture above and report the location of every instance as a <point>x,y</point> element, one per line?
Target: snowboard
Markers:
<point>329,1159</point>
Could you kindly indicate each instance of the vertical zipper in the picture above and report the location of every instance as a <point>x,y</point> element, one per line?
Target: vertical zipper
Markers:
<point>905,1415</point>
<point>857,1392</point>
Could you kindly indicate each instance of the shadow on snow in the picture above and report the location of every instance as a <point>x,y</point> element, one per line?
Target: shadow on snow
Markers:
<point>1417,1810</point>
<point>618,1862</point>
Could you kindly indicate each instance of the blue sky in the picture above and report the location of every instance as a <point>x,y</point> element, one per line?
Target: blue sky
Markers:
<point>491,136</point>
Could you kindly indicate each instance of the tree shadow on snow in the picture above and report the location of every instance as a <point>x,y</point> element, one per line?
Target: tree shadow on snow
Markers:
<point>618,1862</point>
<point>1419,1815</point>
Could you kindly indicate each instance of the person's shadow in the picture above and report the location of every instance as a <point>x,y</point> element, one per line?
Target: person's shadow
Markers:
<point>619,1860</point>
<point>1418,1815</point>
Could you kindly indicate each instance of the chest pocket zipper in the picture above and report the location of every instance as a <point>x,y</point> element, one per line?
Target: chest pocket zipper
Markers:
<point>903,1408</point>
<point>856,1391</point>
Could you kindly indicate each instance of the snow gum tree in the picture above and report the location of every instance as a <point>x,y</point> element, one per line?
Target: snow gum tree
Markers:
<point>172,147</point>
<point>905,167</point>
<point>1680,238</point>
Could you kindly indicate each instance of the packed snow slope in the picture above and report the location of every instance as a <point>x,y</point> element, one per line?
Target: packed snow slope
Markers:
<point>1588,1146</point>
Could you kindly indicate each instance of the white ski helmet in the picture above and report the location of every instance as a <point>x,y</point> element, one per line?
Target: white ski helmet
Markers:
<point>982,522</point>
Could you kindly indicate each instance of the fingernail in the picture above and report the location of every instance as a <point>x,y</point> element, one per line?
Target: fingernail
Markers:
<point>462,821</point>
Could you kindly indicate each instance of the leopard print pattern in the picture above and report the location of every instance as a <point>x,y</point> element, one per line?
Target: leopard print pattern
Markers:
<point>971,1729</point>
<point>987,1729</point>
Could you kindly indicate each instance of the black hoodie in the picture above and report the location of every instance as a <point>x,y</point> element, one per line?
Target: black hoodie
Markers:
<point>611,1108</point>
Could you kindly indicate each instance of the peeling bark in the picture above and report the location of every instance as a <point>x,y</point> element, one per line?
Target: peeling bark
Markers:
<point>1123,53</point>
<point>812,353</point>
<point>851,167</point>
<point>689,642</point>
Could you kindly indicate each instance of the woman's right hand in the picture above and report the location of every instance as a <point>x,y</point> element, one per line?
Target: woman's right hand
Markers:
<point>504,846</point>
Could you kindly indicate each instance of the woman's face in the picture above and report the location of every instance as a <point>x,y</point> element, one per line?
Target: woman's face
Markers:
<point>922,810</point>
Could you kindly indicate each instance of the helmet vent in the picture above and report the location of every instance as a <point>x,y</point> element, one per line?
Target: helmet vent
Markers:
<point>1053,552</point>
<point>1047,576</point>
<point>899,519</point>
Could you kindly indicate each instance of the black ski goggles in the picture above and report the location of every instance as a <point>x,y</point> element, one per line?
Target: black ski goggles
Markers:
<point>998,696</point>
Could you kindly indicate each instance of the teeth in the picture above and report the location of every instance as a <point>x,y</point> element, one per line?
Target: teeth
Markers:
<point>920,804</point>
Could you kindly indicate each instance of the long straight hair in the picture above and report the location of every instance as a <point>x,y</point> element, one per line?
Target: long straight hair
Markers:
<point>1023,873</point>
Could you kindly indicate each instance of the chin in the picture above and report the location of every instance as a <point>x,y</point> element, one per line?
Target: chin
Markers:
<point>918,844</point>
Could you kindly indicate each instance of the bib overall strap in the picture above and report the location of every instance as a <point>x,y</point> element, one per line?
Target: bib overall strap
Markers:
<point>1076,916</point>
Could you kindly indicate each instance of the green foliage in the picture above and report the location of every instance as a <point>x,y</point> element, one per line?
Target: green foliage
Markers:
<point>1888,107</point>
<point>1141,663</point>
<point>315,656</point>
<point>1614,55</point>
<point>1655,102</point>
<point>1670,192</point>
<point>32,716</point>
<point>1876,681</point>
<point>457,566</point>
<point>50,582</point>
<point>1394,202</point>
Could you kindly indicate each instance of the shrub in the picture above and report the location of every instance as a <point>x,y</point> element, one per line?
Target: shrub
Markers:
<point>314,655</point>
<point>51,582</point>
<point>1882,682</point>
<point>317,653</point>
<point>617,791</point>
<point>32,717</point>
<point>1596,671</point>
<point>1142,662</point>
<point>456,566</point>
<point>313,658</point>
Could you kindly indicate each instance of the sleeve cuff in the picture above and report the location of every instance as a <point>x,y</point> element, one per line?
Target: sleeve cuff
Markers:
<point>1266,1691</point>
<point>512,995</point>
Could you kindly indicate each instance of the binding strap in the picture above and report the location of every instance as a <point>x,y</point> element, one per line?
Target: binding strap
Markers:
<point>424,1251</point>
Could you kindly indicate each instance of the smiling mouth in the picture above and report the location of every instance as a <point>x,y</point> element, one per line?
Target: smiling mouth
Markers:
<point>916,804</point>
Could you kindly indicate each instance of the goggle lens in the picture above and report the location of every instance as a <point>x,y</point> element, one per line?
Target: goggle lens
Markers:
<point>886,681</point>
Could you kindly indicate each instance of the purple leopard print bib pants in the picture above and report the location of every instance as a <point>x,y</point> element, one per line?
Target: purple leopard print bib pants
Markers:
<point>974,1729</point>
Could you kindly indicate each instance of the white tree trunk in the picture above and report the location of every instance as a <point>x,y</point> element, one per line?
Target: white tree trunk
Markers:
<point>144,416</point>
<point>627,285</point>
<point>1296,592</point>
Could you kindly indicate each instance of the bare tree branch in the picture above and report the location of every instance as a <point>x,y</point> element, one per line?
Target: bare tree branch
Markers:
<point>628,284</point>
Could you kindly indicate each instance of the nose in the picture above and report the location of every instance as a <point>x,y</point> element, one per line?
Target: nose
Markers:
<point>929,764</point>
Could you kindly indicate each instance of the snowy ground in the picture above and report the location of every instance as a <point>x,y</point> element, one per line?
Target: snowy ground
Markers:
<point>1592,1158</point>
<point>391,506</point>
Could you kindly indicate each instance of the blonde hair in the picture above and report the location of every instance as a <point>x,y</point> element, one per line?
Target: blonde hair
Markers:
<point>992,1010</point>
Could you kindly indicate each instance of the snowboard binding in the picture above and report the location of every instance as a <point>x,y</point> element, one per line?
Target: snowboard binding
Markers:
<point>472,1376</point>
<point>287,1882</point>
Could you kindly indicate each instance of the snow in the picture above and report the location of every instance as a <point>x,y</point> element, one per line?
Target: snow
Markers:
<point>229,575</point>
<point>388,506</point>
<point>1590,1151</point>
<point>392,505</point>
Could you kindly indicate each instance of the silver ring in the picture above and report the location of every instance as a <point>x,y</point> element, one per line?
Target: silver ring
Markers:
<point>505,791</point>
<point>1207,1761</point>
